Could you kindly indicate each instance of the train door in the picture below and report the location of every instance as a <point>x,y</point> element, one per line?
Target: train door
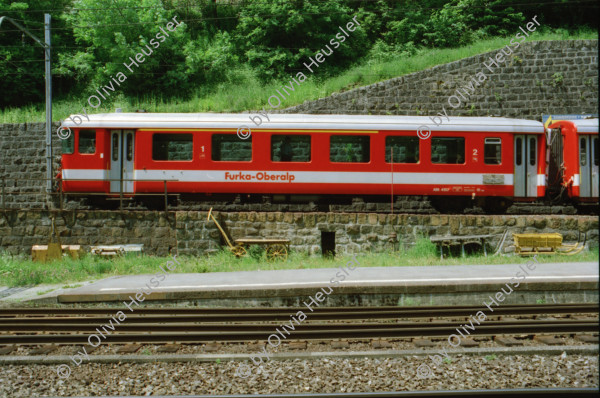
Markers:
<point>588,166</point>
<point>121,161</point>
<point>594,164</point>
<point>525,180</point>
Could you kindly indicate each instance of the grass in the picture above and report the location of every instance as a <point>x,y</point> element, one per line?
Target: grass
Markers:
<point>45,291</point>
<point>21,271</point>
<point>244,92</point>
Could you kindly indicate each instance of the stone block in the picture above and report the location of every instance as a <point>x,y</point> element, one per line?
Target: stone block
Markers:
<point>353,229</point>
<point>298,218</point>
<point>571,223</point>
<point>365,229</point>
<point>309,220</point>
<point>361,218</point>
<point>455,226</point>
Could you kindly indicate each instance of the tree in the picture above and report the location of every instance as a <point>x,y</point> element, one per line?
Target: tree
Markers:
<point>277,37</point>
<point>22,60</point>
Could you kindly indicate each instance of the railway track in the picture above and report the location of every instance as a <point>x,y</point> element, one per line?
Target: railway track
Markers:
<point>192,326</point>
<point>182,202</point>
<point>404,205</point>
<point>276,314</point>
<point>516,392</point>
<point>418,205</point>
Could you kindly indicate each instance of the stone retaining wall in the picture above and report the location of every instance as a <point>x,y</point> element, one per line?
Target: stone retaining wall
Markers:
<point>551,77</point>
<point>189,233</point>
<point>544,77</point>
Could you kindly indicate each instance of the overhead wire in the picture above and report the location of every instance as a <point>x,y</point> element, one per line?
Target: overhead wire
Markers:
<point>268,2</point>
<point>593,3</point>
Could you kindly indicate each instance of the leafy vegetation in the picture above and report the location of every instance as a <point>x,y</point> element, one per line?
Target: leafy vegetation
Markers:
<point>224,45</point>
<point>249,93</point>
<point>21,271</point>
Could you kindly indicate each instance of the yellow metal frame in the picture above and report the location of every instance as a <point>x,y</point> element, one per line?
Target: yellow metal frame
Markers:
<point>276,248</point>
<point>546,243</point>
<point>210,215</point>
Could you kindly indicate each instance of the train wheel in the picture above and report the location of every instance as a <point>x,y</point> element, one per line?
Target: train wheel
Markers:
<point>277,252</point>
<point>239,251</point>
<point>496,205</point>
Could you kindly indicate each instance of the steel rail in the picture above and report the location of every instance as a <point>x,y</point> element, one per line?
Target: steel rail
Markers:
<point>510,392</point>
<point>335,332</point>
<point>153,319</point>
<point>179,208</point>
<point>324,312</point>
<point>527,209</point>
<point>175,326</point>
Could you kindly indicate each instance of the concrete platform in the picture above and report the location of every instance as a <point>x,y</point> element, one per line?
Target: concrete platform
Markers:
<point>407,286</point>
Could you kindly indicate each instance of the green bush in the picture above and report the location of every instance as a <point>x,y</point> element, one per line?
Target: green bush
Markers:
<point>222,46</point>
<point>257,252</point>
<point>423,248</point>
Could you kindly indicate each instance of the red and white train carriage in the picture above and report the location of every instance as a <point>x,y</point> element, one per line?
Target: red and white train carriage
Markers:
<point>296,157</point>
<point>577,146</point>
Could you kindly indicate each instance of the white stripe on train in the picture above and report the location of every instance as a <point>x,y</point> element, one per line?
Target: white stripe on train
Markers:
<point>308,177</point>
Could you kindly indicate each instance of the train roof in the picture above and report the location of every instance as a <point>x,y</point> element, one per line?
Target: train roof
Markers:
<point>586,125</point>
<point>582,125</point>
<point>304,121</point>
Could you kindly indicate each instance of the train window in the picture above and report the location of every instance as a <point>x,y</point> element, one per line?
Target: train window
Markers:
<point>350,149</point>
<point>175,147</point>
<point>532,151</point>
<point>519,151</point>
<point>582,151</point>
<point>405,149</point>
<point>115,147</point>
<point>129,146</point>
<point>492,151</point>
<point>448,150</point>
<point>290,148</point>
<point>87,141</point>
<point>230,148</point>
<point>595,146</point>
<point>68,145</point>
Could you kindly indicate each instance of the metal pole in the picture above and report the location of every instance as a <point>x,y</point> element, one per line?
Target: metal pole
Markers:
<point>60,198</point>
<point>3,184</point>
<point>166,200</point>
<point>392,168</point>
<point>48,104</point>
<point>47,57</point>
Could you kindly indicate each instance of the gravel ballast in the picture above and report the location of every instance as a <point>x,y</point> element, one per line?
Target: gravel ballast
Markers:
<point>303,376</point>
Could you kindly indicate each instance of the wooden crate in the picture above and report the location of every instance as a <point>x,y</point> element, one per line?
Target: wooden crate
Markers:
<point>49,252</point>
